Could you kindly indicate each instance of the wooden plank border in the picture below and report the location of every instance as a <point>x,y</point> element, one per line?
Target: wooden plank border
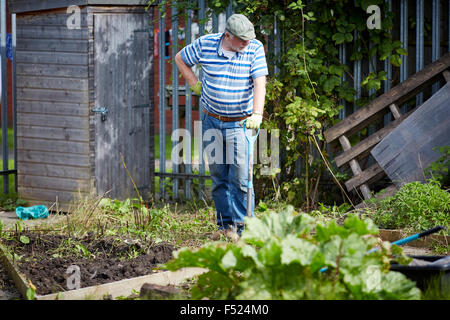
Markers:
<point>120,288</point>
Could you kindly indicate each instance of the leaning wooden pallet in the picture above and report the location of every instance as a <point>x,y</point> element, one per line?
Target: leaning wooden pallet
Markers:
<point>375,110</point>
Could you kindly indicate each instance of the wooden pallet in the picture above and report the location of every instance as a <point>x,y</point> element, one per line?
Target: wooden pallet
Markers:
<point>374,111</point>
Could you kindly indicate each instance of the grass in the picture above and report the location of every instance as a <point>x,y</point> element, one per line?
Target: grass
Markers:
<point>168,146</point>
<point>10,138</point>
<point>168,156</point>
<point>434,290</point>
<point>208,182</point>
<point>10,161</point>
<point>10,177</point>
<point>188,224</point>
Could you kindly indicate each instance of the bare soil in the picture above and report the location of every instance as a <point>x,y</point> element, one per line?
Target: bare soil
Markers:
<point>46,258</point>
<point>8,289</point>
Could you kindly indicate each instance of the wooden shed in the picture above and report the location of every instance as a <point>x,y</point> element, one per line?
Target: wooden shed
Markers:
<point>84,99</point>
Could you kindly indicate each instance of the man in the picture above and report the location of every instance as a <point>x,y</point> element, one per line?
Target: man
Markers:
<point>233,90</point>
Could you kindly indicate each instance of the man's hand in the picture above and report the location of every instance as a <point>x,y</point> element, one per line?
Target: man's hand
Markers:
<point>254,121</point>
<point>197,88</point>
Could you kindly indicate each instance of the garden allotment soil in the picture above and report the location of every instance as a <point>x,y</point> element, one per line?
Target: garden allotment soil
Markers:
<point>44,262</point>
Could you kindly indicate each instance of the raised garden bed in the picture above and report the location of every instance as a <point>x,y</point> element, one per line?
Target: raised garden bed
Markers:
<point>107,266</point>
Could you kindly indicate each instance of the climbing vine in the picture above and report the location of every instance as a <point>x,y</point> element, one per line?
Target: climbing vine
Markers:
<point>305,96</point>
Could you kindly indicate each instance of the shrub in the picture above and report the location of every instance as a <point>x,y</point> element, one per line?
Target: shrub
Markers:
<point>415,207</point>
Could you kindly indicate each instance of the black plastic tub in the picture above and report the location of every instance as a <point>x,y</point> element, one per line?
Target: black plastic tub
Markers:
<point>424,275</point>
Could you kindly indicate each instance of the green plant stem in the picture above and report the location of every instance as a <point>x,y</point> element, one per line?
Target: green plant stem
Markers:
<point>131,178</point>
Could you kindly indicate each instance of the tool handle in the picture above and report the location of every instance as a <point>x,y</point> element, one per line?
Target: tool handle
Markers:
<point>418,235</point>
<point>250,178</point>
<point>250,139</point>
<point>431,231</point>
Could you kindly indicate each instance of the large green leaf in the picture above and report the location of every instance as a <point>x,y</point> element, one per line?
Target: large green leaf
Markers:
<point>361,227</point>
<point>270,254</point>
<point>298,250</point>
<point>339,38</point>
<point>397,286</point>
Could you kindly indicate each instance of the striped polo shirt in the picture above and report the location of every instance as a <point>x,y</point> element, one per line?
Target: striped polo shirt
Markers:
<point>227,84</point>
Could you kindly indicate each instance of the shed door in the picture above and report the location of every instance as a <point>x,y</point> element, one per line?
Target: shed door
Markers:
<point>121,80</point>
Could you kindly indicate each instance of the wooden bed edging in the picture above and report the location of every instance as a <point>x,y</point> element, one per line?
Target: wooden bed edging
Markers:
<point>122,288</point>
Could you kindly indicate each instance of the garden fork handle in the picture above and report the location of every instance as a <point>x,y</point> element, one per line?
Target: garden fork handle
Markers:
<point>250,141</point>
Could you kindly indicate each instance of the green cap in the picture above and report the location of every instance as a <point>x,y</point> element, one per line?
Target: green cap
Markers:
<point>241,27</point>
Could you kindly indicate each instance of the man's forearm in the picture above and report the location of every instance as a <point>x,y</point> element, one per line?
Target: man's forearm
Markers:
<point>185,71</point>
<point>259,95</point>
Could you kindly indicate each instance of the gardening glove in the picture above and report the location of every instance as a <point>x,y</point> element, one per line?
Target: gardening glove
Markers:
<point>254,121</point>
<point>197,88</point>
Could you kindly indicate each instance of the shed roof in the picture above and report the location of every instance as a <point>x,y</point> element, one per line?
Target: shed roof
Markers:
<point>20,6</point>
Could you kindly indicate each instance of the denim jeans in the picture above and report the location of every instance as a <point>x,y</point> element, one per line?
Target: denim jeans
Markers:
<point>226,150</point>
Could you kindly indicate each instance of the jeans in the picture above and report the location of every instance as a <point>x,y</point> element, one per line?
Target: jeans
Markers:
<point>226,150</point>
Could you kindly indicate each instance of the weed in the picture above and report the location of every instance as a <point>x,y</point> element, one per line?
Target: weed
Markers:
<point>435,289</point>
<point>415,207</point>
<point>69,247</point>
<point>10,201</point>
<point>439,169</point>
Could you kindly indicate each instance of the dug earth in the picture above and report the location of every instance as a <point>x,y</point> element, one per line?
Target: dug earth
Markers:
<point>50,261</point>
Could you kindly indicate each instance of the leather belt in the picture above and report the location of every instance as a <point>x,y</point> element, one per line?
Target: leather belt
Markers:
<point>226,119</point>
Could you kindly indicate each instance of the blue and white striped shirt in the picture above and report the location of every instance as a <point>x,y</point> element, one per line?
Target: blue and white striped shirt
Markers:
<point>227,84</point>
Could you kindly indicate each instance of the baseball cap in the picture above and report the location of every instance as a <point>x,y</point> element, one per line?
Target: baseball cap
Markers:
<point>241,27</point>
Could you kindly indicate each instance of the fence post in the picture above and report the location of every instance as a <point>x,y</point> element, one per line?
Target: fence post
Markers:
<point>201,30</point>
<point>4,99</point>
<point>419,43</point>
<point>174,91</point>
<point>404,40</point>
<point>14,92</point>
<point>162,107</point>
<point>436,37</point>
<point>188,97</point>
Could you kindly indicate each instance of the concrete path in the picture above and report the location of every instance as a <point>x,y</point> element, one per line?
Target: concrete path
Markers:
<point>9,218</point>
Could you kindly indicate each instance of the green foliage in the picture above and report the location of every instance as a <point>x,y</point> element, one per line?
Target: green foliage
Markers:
<point>171,223</point>
<point>280,256</point>
<point>439,169</point>
<point>71,247</point>
<point>24,239</point>
<point>31,294</point>
<point>144,218</point>
<point>435,289</point>
<point>415,207</point>
<point>9,202</point>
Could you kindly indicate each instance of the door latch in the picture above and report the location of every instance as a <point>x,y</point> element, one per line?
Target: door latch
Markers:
<point>103,111</point>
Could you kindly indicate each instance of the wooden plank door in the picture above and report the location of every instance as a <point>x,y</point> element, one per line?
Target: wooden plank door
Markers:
<point>122,67</point>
